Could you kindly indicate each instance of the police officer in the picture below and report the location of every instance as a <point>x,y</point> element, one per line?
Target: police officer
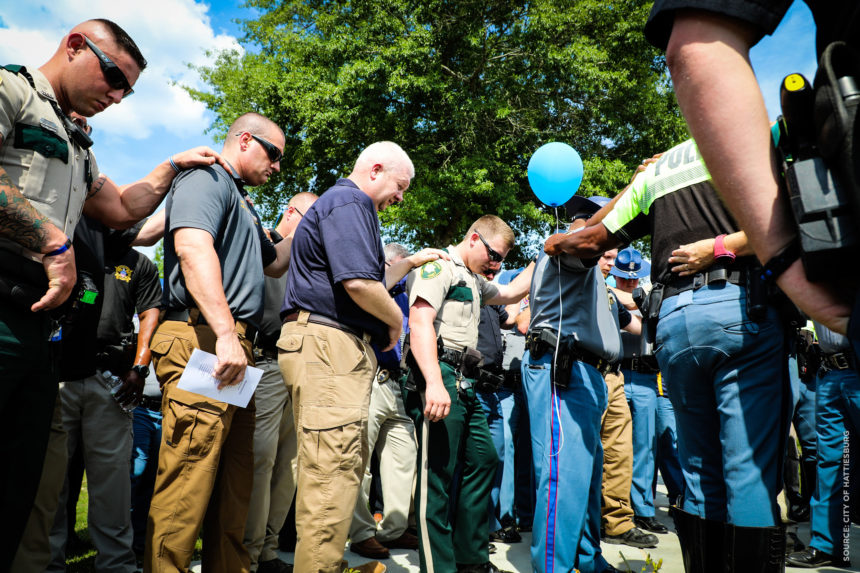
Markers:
<point>47,177</point>
<point>573,339</point>
<point>837,421</point>
<point>639,368</point>
<point>445,299</point>
<point>714,348</point>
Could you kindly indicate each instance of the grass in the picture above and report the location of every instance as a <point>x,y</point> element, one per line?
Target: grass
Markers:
<point>83,560</point>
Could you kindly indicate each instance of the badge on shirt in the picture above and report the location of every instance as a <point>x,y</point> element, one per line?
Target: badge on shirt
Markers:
<point>431,270</point>
<point>122,273</point>
<point>49,125</point>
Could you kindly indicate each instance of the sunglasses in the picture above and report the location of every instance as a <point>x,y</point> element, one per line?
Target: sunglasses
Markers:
<point>113,75</point>
<point>494,256</point>
<point>271,150</point>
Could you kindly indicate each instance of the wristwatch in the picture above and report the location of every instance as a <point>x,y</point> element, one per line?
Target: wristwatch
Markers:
<point>141,369</point>
<point>720,250</point>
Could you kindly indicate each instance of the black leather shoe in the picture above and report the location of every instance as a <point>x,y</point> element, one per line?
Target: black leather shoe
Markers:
<point>274,566</point>
<point>811,558</point>
<point>506,535</point>
<point>649,524</point>
<point>487,567</point>
<point>634,538</point>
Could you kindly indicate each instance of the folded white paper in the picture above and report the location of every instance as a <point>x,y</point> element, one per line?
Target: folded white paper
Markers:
<point>199,377</point>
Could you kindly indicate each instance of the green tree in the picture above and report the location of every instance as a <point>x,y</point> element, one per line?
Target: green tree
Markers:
<point>469,88</point>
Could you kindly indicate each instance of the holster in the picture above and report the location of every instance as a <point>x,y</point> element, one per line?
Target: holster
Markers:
<point>563,363</point>
<point>22,281</point>
<point>650,310</point>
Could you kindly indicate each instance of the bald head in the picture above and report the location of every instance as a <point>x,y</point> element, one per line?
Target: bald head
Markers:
<point>95,66</point>
<point>295,211</point>
<point>383,171</point>
<point>252,123</point>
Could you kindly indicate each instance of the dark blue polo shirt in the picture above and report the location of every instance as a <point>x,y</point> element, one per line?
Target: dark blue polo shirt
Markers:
<point>338,239</point>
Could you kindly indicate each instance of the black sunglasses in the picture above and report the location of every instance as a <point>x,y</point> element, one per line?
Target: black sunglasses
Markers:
<point>494,256</point>
<point>271,150</point>
<point>114,76</point>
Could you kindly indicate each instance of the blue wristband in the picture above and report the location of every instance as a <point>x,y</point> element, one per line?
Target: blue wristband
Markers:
<point>172,164</point>
<point>66,246</point>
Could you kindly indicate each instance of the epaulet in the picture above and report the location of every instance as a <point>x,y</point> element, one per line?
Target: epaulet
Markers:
<point>14,68</point>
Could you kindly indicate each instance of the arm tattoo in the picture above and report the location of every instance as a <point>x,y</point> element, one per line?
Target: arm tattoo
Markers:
<point>19,220</point>
<point>97,186</point>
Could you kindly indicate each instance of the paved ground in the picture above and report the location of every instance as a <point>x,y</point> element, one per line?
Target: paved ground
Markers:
<point>515,557</point>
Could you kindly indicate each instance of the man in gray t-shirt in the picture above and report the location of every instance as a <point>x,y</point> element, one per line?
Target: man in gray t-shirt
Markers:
<point>215,257</point>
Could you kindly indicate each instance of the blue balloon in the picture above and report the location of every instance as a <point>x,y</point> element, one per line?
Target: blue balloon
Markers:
<point>555,173</point>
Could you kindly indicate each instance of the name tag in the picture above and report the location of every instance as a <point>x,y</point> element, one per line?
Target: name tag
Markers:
<point>49,125</point>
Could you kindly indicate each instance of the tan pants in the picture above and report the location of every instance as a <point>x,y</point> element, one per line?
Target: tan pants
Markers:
<point>616,434</point>
<point>274,464</point>
<point>205,464</point>
<point>329,374</point>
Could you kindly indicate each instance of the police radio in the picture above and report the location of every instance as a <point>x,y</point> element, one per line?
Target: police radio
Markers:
<point>816,143</point>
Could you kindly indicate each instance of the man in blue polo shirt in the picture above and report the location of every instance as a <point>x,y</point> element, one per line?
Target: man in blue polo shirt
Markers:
<point>336,303</point>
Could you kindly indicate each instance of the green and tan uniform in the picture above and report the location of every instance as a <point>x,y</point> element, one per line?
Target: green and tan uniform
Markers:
<point>462,438</point>
<point>51,171</point>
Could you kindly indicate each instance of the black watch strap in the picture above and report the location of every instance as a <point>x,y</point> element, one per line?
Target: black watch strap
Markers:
<point>141,369</point>
<point>781,261</point>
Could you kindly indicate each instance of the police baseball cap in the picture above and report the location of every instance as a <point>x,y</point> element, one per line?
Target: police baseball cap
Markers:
<point>579,207</point>
<point>629,264</point>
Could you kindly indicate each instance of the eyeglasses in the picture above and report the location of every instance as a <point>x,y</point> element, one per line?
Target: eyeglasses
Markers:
<point>113,75</point>
<point>271,150</point>
<point>296,209</point>
<point>494,256</point>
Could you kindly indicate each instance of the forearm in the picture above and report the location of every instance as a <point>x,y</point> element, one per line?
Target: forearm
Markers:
<point>396,271</point>
<point>372,297</point>
<point>22,223</point>
<point>635,325</point>
<point>148,324</point>
<point>738,153</point>
<point>516,289</point>
<point>588,243</point>
<point>140,198</point>
<point>738,244</point>
<point>279,266</point>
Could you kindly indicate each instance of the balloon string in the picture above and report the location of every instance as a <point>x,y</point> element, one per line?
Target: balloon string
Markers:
<point>556,412</point>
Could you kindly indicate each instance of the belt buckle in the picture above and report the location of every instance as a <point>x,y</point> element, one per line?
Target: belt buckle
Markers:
<point>634,364</point>
<point>700,280</point>
<point>841,361</point>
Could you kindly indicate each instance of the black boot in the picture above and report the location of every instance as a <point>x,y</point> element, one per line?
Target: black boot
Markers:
<point>755,549</point>
<point>701,542</point>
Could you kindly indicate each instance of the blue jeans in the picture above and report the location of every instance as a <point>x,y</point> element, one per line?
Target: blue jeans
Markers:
<point>144,463</point>
<point>804,419</point>
<point>503,409</point>
<point>667,450</point>
<point>568,461</point>
<point>728,385</point>
<point>641,391</point>
<point>837,415</point>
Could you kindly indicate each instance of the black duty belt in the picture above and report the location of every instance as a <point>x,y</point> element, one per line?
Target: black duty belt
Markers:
<point>839,361</point>
<point>323,320</point>
<point>151,403</point>
<point>538,345</point>
<point>384,375</point>
<point>641,364</point>
<point>193,317</point>
<point>267,352</point>
<point>679,284</point>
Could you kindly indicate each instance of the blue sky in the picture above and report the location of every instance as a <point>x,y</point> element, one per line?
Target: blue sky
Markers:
<point>160,119</point>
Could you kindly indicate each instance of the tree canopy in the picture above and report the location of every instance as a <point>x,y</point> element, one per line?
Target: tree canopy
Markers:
<point>470,89</point>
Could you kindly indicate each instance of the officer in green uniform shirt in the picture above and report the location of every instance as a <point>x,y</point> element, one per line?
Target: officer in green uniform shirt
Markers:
<point>445,298</point>
<point>48,178</point>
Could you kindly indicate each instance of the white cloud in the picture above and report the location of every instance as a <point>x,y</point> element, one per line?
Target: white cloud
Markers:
<point>170,33</point>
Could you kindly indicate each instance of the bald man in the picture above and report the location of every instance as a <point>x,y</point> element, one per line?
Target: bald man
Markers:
<point>336,303</point>
<point>275,432</point>
<point>48,176</point>
<point>215,254</point>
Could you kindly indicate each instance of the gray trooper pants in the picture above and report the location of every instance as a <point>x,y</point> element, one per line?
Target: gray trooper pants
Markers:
<point>391,432</point>
<point>274,464</point>
<point>93,419</point>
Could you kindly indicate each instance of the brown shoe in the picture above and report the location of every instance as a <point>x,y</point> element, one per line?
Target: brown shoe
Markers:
<point>370,548</point>
<point>405,541</point>
<point>369,567</point>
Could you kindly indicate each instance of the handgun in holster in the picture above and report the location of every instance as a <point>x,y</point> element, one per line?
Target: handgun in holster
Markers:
<point>562,363</point>
<point>649,305</point>
<point>818,149</point>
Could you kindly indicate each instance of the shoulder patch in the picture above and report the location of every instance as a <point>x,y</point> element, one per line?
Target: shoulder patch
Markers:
<point>431,270</point>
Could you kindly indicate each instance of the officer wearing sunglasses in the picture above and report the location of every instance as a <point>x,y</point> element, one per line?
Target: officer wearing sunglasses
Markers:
<point>48,177</point>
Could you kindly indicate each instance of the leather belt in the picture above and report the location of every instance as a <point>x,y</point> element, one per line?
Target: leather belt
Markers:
<point>537,345</point>
<point>270,353</point>
<point>641,364</point>
<point>323,320</point>
<point>193,317</point>
<point>678,285</point>
<point>839,361</point>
